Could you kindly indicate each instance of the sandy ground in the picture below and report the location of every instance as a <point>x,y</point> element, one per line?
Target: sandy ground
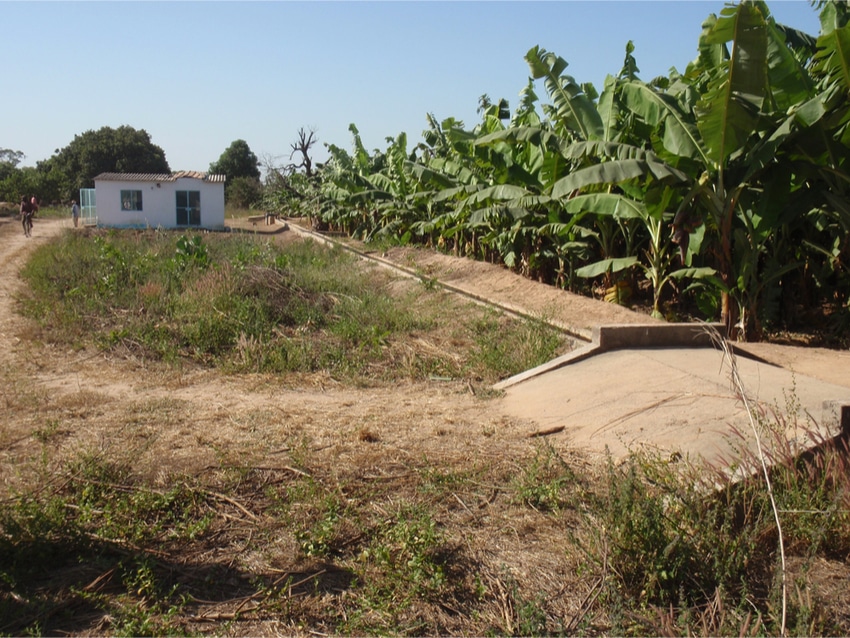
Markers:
<point>574,313</point>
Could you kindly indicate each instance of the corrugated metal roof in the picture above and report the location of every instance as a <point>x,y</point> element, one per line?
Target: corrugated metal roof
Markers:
<point>160,177</point>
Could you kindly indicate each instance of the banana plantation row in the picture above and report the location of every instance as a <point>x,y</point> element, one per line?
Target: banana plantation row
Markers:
<point>720,192</point>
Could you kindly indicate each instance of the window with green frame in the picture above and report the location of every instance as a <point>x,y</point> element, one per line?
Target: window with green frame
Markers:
<point>131,200</point>
<point>188,208</point>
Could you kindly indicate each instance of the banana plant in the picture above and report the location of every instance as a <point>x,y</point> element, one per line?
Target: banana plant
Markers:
<point>540,153</point>
<point>731,159</point>
<point>723,123</point>
<point>603,150</point>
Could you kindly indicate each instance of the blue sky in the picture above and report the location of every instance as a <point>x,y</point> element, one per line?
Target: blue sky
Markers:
<point>199,75</point>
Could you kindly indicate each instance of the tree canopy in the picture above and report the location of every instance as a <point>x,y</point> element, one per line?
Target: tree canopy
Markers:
<point>119,150</point>
<point>238,160</point>
<point>12,181</point>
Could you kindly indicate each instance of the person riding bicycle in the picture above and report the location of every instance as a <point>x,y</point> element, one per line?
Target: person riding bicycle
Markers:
<point>27,212</point>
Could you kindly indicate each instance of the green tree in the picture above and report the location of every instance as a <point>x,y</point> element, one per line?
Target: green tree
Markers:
<point>16,181</point>
<point>107,150</point>
<point>238,160</point>
<point>9,160</point>
<point>9,174</point>
<point>244,192</point>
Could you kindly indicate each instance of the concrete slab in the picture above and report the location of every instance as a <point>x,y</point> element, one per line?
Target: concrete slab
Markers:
<point>673,400</point>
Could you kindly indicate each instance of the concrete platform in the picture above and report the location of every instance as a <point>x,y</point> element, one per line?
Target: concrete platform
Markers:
<point>676,400</point>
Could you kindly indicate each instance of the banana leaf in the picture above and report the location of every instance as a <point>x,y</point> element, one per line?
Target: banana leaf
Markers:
<point>598,268</point>
<point>526,134</point>
<point>502,193</point>
<point>680,134</point>
<point>728,112</point>
<point>613,173</point>
<point>833,57</point>
<point>369,196</point>
<point>606,204</point>
<point>574,108</point>
<point>427,175</point>
<point>487,216</point>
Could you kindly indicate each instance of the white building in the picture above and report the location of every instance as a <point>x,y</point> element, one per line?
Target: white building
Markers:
<point>146,200</point>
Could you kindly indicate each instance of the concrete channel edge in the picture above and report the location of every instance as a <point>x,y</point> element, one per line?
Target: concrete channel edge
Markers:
<point>620,336</point>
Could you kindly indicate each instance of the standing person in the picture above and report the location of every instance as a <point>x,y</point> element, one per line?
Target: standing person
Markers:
<point>26,215</point>
<point>75,212</point>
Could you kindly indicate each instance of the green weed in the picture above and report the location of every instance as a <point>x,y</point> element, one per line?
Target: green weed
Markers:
<point>668,541</point>
<point>512,347</point>
<point>98,520</point>
<point>527,616</point>
<point>47,432</point>
<point>401,565</point>
<point>545,481</point>
<point>320,539</point>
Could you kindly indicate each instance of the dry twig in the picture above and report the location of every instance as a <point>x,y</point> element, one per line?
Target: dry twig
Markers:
<point>723,344</point>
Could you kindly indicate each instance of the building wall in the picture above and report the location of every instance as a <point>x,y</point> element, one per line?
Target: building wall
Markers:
<point>159,203</point>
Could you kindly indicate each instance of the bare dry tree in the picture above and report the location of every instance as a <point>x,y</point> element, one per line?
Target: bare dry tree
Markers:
<point>306,139</point>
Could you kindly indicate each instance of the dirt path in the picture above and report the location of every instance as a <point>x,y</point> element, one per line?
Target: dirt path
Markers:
<point>14,249</point>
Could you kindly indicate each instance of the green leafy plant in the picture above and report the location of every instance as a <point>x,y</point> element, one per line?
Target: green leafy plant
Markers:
<point>408,546</point>
<point>320,539</point>
<point>545,481</point>
<point>191,252</point>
